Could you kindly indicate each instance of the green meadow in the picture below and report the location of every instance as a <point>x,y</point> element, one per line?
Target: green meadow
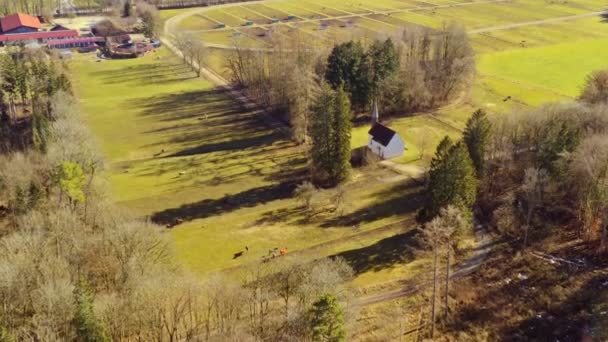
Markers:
<point>526,49</point>
<point>179,148</point>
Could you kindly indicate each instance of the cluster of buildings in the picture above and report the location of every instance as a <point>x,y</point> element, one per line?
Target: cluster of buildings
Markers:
<point>19,28</point>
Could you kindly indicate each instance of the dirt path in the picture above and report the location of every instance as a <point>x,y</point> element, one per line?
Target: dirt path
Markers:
<point>417,173</point>
<point>535,22</point>
<point>480,254</point>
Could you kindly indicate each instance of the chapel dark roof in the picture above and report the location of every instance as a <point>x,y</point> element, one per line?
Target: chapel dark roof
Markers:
<point>381,134</point>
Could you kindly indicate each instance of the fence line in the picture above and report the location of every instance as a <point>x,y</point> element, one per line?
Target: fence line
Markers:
<point>161,5</point>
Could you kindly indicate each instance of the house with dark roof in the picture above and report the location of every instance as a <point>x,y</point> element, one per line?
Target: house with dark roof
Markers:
<point>384,142</point>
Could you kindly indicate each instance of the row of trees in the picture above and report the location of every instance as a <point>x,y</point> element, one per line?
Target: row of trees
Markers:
<point>29,83</point>
<point>455,173</point>
<point>193,51</point>
<point>284,79</point>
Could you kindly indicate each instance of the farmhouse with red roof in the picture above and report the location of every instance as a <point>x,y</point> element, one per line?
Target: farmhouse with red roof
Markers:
<point>23,28</point>
<point>20,23</point>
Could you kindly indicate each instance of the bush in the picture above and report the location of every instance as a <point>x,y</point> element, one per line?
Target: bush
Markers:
<point>595,90</point>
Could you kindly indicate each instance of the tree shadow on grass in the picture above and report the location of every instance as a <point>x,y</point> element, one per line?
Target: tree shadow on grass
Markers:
<point>210,207</point>
<point>188,104</point>
<point>280,215</point>
<point>238,144</point>
<point>154,73</point>
<point>402,199</point>
<point>382,254</point>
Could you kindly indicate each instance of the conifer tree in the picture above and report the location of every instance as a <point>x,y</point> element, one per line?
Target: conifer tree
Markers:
<point>342,136</point>
<point>88,328</point>
<point>327,320</point>
<point>322,133</point>
<point>330,135</point>
<point>40,131</point>
<point>126,11</point>
<point>347,67</point>
<point>477,136</point>
<point>451,180</point>
<point>383,63</point>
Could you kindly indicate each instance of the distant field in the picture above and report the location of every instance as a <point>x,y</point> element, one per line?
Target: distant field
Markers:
<point>529,52</point>
<point>560,68</point>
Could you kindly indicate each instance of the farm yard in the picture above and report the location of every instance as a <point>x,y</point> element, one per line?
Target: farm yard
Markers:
<point>526,49</point>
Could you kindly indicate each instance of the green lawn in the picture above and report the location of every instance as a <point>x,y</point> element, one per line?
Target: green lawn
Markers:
<point>559,68</point>
<point>178,148</point>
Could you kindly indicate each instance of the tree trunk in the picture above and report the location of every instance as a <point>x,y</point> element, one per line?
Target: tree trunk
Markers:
<point>447,284</point>
<point>603,237</point>
<point>527,226</point>
<point>433,311</point>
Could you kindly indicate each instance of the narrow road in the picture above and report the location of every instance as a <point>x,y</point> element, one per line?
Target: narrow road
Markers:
<point>535,22</point>
<point>480,254</point>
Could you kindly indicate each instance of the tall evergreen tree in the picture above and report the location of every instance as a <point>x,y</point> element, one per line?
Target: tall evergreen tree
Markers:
<point>330,135</point>
<point>477,136</point>
<point>88,328</point>
<point>327,320</point>
<point>342,136</point>
<point>40,131</point>
<point>443,149</point>
<point>383,63</point>
<point>347,67</point>
<point>126,10</point>
<point>559,138</point>
<point>321,133</point>
<point>451,180</point>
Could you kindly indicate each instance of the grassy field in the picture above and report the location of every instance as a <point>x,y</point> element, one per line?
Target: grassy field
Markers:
<point>177,148</point>
<point>519,67</point>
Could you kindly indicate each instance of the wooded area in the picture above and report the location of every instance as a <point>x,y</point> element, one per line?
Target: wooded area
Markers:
<point>73,266</point>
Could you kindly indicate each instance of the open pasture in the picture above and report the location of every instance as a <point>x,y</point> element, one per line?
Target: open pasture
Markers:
<point>180,150</point>
<point>526,49</point>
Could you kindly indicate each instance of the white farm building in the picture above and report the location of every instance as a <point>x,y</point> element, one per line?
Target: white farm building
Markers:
<point>385,142</point>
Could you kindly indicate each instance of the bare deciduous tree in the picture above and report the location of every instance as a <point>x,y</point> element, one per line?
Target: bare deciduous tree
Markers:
<point>438,236</point>
<point>534,181</point>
